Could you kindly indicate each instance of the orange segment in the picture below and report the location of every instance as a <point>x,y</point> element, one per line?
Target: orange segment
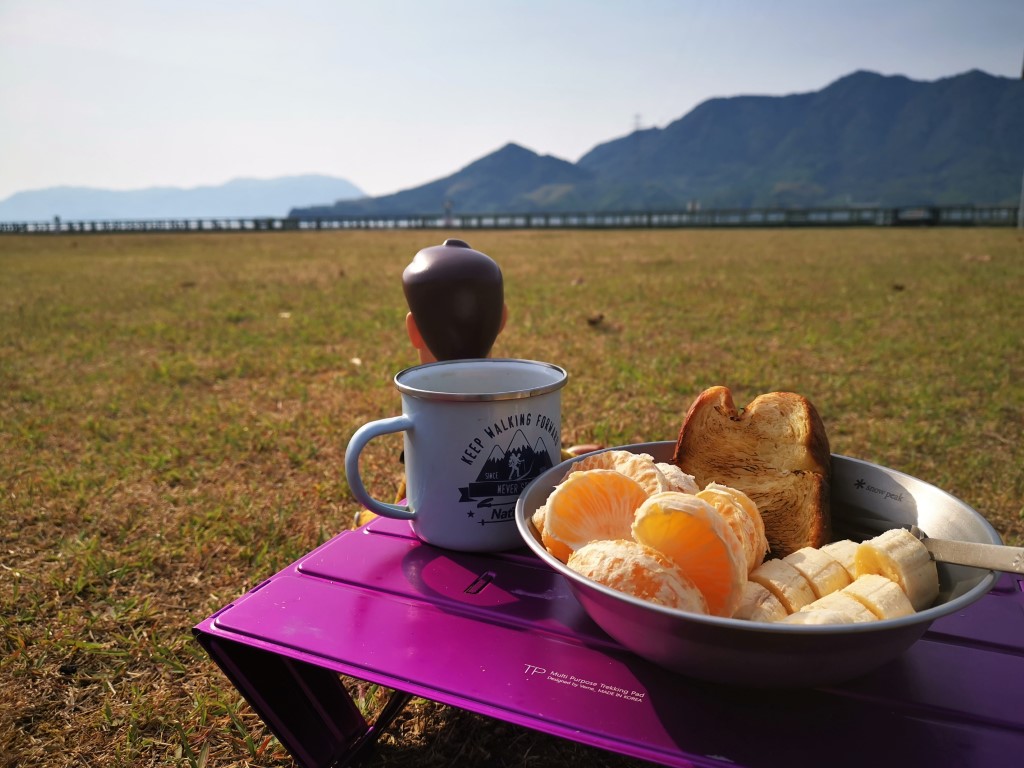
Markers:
<point>587,506</point>
<point>638,466</point>
<point>639,571</point>
<point>692,534</point>
<point>677,479</point>
<point>740,512</point>
<point>537,518</point>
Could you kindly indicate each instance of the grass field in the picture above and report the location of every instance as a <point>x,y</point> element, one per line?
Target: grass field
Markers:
<point>175,410</point>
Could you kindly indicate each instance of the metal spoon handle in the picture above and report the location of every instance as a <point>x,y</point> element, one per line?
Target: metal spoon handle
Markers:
<point>995,557</point>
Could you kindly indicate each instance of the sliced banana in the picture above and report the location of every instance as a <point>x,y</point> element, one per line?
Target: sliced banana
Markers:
<point>759,604</point>
<point>882,596</point>
<point>821,616</point>
<point>823,572</point>
<point>785,582</point>
<point>845,551</point>
<point>900,556</point>
<point>843,603</point>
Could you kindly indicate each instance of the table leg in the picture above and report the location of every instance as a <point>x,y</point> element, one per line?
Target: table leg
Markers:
<point>306,707</point>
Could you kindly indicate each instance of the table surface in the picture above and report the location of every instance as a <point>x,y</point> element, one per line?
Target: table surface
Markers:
<point>502,635</point>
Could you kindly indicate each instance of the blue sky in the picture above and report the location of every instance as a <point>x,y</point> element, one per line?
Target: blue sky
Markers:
<point>126,94</point>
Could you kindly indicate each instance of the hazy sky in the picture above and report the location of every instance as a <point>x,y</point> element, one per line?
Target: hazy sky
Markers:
<point>125,94</point>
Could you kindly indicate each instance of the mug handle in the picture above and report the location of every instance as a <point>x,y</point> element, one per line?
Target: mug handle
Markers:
<point>362,436</point>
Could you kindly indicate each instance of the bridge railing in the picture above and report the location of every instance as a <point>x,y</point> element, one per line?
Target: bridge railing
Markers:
<point>959,216</point>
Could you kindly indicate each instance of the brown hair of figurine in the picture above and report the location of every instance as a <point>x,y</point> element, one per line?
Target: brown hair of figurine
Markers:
<point>456,302</point>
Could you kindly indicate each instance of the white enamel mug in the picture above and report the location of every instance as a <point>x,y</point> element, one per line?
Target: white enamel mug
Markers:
<point>476,433</point>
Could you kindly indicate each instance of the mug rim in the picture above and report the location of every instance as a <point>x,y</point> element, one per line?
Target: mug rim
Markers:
<point>512,394</point>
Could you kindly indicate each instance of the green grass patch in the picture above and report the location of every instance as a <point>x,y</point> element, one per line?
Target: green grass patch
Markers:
<point>176,410</point>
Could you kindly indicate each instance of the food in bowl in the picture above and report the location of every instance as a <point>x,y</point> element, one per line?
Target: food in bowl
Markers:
<point>775,450</point>
<point>679,543</point>
<point>640,571</point>
<point>698,539</point>
<point>772,654</point>
<point>715,537</point>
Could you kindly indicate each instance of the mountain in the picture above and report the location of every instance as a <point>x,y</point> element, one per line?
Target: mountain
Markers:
<point>240,197</point>
<point>864,139</point>
<point>518,462</point>
<point>513,178</point>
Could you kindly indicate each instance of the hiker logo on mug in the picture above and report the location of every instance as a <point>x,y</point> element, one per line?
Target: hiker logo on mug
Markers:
<point>506,471</point>
<point>476,433</point>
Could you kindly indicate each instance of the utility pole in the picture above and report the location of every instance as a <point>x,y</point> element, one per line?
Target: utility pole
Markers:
<point>1020,206</point>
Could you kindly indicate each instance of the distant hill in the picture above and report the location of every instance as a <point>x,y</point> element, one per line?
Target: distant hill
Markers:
<point>864,139</point>
<point>513,178</point>
<point>240,197</point>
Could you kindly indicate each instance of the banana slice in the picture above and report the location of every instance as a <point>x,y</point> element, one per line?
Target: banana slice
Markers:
<point>900,556</point>
<point>882,596</point>
<point>845,551</point>
<point>844,603</point>
<point>824,573</point>
<point>785,582</point>
<point>821,616</point>
<point>759,604</point>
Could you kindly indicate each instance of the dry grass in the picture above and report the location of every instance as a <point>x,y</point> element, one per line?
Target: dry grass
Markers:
<point>176,408</point>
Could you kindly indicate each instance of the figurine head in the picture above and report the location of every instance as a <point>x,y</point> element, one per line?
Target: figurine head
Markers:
<point>456,302</point>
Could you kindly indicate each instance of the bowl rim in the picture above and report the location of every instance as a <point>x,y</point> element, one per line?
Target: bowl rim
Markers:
<point>576,580</point>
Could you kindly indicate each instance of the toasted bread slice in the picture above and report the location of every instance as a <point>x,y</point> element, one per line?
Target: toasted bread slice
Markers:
<point>776,451</point>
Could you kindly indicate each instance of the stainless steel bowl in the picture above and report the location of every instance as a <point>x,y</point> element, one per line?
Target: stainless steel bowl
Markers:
<point>747,653</point>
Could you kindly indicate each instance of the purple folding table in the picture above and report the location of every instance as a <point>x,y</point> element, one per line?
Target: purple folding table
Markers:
<point>503,636</point>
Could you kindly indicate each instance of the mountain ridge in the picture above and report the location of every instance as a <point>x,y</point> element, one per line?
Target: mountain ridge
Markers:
<point>865,138</point>
<point>243,196</point>
<point>521,173</point>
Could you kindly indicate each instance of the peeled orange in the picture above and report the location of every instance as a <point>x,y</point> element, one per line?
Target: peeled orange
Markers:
<point>638,466</point>
<point>692,534</point>
<point>677,479</point>
<point>740,512</point>
<point>587,506</point>
<point>639,571</point>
